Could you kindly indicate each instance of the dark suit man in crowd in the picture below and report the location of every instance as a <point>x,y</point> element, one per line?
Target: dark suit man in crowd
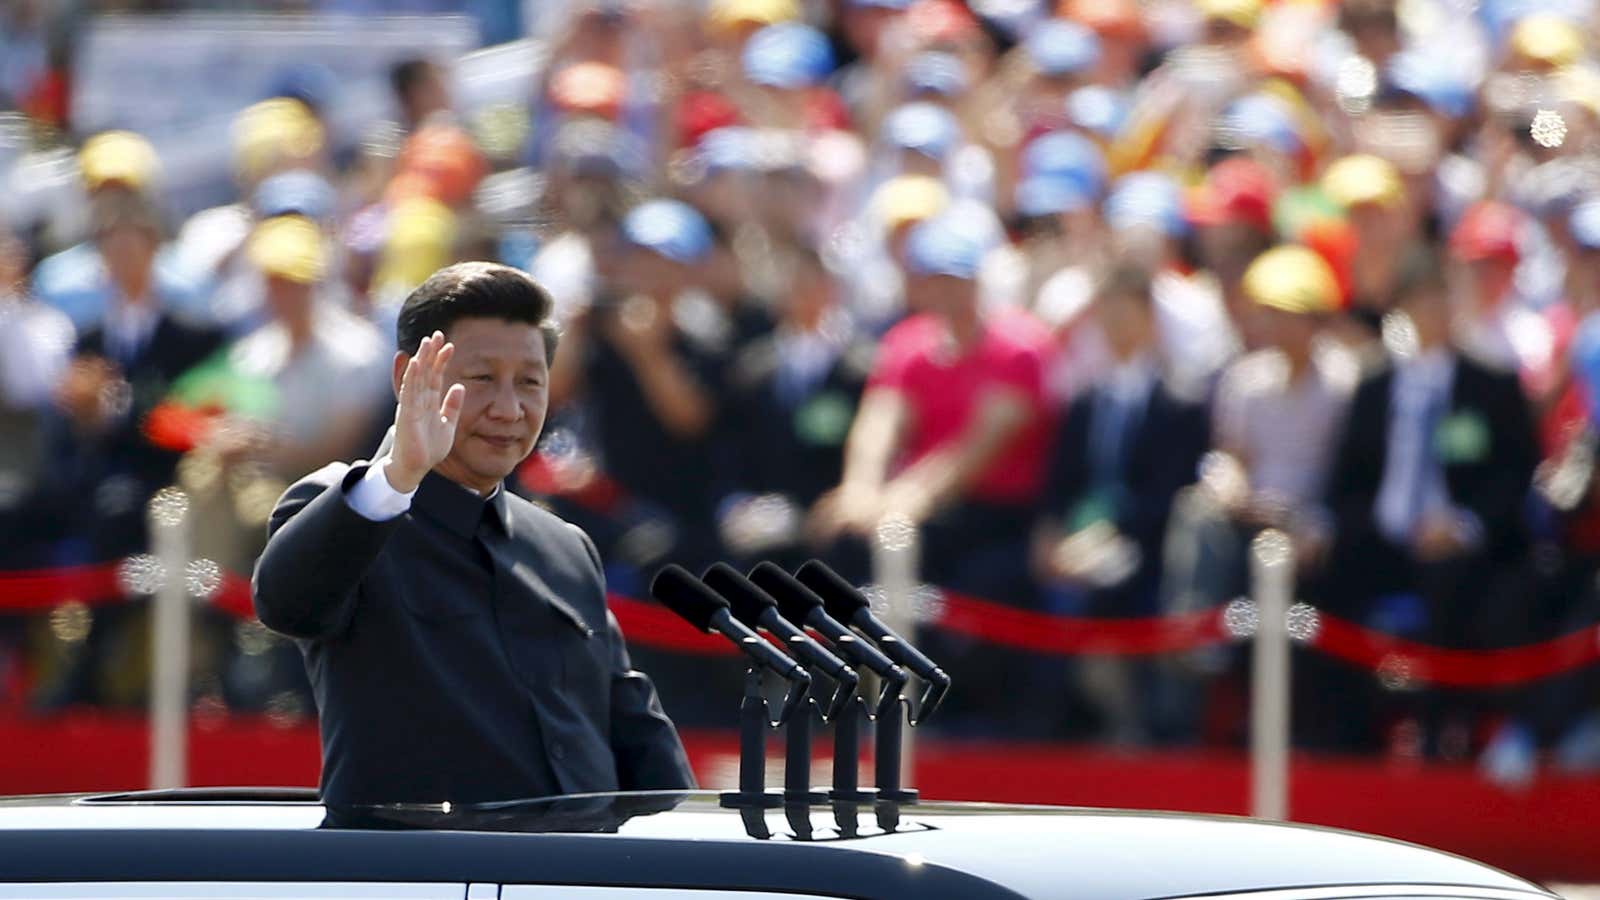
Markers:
<point>103,465</point>
<point>456,635</point>
<point>1128,445</point>
<point>1429,485</point>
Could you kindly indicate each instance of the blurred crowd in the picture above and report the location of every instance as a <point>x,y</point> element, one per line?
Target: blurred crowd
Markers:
<point>1088,294</point>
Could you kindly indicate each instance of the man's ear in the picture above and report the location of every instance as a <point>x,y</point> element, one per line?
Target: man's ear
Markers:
<point>401,359</point>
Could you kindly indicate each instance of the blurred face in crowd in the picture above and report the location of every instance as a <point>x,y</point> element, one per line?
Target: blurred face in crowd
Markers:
<point>1374,30</point>
<point>288,300</point>
<point>1490,280</point>
<point>943,295</point>
<point>914,163</point>
<point>1128,323</point>
<point>1428,307</point>
<point>503,367</point>
<point>129,252</point>
<point>12,265</point>
<point>598,34</point>
<point>864,26</point>
<point>1289,332</point>
<point>428,95</point>
<point>1227,250</point>
<point>1378,227</point>
<point>811,295</point>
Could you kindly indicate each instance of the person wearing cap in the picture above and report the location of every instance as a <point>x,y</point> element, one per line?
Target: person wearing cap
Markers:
<point>646,361</point>
<point>1061,56</point>
<point>1231,211</point>
<point>109,466</point>
<point>1127,444</point>
<point>1428,487</point>
<point>75,280</point>
<point>952,434</point>
<point>1370,191</point>
<point>1276,415</point>
<point>787,63</point>
<point>1494,324</point>
<point>420,91</point>
<point>794,392</point>
<point>306,345</point>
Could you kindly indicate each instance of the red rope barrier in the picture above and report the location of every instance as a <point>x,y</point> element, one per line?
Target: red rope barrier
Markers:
<point>1046,633</point>
<point>43,589</point>
<point>1394,659</point>
<point>1406,661</point>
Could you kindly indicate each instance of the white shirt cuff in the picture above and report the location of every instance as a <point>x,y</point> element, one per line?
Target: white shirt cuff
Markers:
<point>373,497</point>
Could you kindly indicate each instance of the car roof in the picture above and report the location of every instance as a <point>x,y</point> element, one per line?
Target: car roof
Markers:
<point>674,838</point>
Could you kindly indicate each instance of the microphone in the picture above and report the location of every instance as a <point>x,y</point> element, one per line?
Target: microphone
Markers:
<point>845,603</point>
<point>799,603</point>
<point>700,606</point>
<point>755,608</point>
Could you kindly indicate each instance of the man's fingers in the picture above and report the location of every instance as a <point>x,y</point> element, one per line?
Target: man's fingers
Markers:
<point>450,411</point>
<point>441,360</point>
<point>408,384</point>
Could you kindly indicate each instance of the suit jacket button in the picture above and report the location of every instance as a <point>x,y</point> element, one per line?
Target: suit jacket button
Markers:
<point>558,751</point>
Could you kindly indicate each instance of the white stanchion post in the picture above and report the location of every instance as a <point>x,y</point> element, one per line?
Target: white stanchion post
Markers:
<point>169,641</point>
<point>896,567</point>
<point>1272,580</point>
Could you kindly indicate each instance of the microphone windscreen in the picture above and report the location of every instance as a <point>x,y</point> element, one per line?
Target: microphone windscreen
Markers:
<point>795,600</point>
<point>840,597</point>
<point>682,593</point>
<point>747,601</point>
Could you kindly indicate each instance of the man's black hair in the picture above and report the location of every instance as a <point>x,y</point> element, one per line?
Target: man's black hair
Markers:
<point>476,290</point>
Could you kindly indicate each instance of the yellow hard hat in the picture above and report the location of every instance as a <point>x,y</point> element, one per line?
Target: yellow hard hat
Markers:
<point>909,198</point>
<point>1363,178</point>
<point>290,247</point>
<point>273,132</point>
<point>421,240</point>
<point>1548,39</point>
<point>1293,279</point>
<point>726,15</point>
<point>1243,13</point>
<point>118,157</point>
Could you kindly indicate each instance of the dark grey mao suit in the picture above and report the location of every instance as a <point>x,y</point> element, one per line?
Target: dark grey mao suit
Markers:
<point>461,651</point>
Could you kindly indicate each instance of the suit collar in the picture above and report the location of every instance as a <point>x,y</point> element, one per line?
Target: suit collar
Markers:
<point>458,508</point>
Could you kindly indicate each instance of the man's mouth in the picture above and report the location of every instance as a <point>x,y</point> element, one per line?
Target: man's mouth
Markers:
<point>499,442</point>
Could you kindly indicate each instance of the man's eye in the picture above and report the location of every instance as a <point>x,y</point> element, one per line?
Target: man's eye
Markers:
<point>532,382</point>
<point>481,378</point>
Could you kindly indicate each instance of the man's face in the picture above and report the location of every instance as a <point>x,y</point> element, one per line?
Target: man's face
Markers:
<point>1127,323</point>
<point>287,299</point>
<point>129,253</point>
<point>503,367</point>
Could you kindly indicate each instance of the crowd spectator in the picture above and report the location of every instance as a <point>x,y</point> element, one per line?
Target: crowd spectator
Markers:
<point>1084,294</point>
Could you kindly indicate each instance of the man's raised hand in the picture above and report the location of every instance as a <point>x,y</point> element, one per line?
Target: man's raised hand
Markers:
<point>425,419</point>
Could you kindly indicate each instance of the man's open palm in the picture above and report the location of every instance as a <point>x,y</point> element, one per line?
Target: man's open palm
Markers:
<point>425,420</point>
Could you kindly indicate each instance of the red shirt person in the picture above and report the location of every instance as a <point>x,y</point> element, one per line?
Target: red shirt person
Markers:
<point>954,421</point>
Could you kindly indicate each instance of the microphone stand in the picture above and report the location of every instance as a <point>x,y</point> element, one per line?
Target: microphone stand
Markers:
<point>754,720</point>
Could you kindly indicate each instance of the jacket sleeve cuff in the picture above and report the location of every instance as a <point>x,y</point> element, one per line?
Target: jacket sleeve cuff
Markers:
<point>373,498</point>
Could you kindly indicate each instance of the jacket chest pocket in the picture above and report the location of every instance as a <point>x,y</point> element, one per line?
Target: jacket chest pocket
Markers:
<point>553,642</point>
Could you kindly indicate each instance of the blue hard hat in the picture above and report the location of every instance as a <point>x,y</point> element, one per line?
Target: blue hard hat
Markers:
<point>943,245</point>
<point>1065,154</point>
<point>1584,223</point>
<point>787,55</point>
<point>671,228</point>
<point>936,73</point>
<point>1049,195</point>
<point>731,148</point>
<point>1146,199</point>
<point>1263,119</point>
<point>1444,88</point>
<point>1098,109</point>
<point>1059,47</point>
<point>296,192</point>
<point>927,128</point>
